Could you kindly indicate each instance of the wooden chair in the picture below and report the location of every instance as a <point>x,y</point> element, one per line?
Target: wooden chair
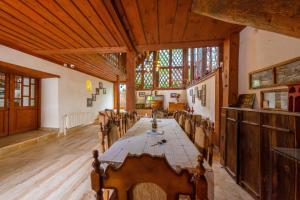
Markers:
<point>210,143</point>
<point>148,169</point>
<point>181,119</point>
<point>188,126</point>
<point>204,133</point>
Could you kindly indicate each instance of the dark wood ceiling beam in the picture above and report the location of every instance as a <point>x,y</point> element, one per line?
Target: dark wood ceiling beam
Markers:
<point>116,18</point>
<point>136,27</point>
<point>83,50</point>
<point>86,67</point>
<point>196,44</point>
<point>279,16</point>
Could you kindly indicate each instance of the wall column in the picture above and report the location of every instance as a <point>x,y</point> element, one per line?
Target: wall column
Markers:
<point>230,69</point>
<point>130,82</point>
<point>117,94</point>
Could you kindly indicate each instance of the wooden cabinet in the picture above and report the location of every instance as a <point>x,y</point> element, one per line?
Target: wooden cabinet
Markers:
<point>285,173</point>
<point>247,137</point>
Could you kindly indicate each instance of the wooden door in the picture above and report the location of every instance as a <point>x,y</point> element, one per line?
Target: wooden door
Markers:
<point>23,110</point>
<point>4,93</point>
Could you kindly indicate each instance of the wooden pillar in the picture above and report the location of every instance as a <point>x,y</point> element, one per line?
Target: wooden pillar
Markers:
<point>130,81</point>
<point>218,106</point>
<point>230,69</point>
<point>117,94</point>
<point>185,67</point>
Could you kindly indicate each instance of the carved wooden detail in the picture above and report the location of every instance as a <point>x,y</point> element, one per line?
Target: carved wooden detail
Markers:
<point>148,169</point>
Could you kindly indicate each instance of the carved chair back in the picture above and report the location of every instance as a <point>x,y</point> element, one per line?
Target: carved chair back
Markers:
<point>148,169</point>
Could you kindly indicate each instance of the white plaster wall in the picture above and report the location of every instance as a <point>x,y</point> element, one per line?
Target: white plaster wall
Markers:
<point>166,94</point>
<point>208,110</point>
<point>260,49</point>
<point>50,103</point>
<point>70,88</point>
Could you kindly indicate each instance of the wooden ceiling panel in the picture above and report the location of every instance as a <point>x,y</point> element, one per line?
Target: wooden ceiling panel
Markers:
<point>133,16</point>
<point>149,20</point>
<point>166,19</point>
<point>167,23</point>
<point>181,19</point>
<point>78,31</point>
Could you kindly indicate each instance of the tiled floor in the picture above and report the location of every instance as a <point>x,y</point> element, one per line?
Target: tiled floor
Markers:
<point>59,169</point>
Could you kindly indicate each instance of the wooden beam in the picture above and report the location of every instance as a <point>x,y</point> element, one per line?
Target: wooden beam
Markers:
<point>130,81</point>
<point>230,70</point>
<point>8,67</point>
<point>279,16</point>
<point>195,44</point>
<point>83,50</point>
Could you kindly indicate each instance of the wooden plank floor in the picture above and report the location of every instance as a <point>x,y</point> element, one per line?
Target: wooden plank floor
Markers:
<point>56,169</point>
<point>59,169</point>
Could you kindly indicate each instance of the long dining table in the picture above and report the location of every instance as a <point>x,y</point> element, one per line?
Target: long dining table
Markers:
<point>178,149</point>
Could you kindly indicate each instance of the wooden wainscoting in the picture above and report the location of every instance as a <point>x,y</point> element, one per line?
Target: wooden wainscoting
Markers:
<point>247,138</point>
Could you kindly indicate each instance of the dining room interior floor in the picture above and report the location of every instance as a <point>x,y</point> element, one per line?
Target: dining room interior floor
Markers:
<point>60,169</point>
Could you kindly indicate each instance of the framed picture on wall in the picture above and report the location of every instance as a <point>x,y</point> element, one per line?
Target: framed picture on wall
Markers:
<point>97,91</point>
<point>191,92</point>
<point>193,98</point>
<point>100,85</point>
<point>94,97</point>
<point>89,102</point>
<point>173,95</point>
<point>203,96</point>
<point>104,90</point>
<point>142,94</point>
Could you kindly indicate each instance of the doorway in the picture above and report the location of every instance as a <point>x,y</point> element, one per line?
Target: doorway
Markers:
<point>19,102</point>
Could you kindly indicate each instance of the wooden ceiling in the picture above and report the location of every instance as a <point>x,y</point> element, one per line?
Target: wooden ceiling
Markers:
<point>158,24</point>
<point>78,32</point>
<point>281,16</point>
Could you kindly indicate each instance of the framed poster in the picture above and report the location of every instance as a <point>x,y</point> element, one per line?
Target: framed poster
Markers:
<point>97,91</point>
<point>262,79</point>
<point>100,85</point>
<point>94,97</point>
<point>173,95</point>
<point>104,90</point>
<point>89,102</point>
<point>246,101</point>
<point>142,94</point>
<point>194,99</point>
<point>203,96</point>
<point>288,73</point>
<point>191,92</point>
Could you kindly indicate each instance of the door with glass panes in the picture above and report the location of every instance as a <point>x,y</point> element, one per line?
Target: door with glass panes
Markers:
<point>18,104</point>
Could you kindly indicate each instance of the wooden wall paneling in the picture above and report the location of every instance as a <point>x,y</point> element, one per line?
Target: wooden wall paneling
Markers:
<point>231,144</point>
<point>298,180</point>
<point>4,111</point>
<point>283,177</point>
<point>297,130</point>
<point>277,131</point>
<point>249,152</point>
<point>218,106</point>
<point>223,136</point>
